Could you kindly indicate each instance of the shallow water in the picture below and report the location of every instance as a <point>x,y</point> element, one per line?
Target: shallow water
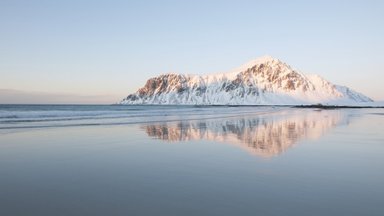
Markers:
<point>135,160</point>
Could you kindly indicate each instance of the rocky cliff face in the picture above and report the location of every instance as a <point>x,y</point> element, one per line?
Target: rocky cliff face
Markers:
<point>263,81</point>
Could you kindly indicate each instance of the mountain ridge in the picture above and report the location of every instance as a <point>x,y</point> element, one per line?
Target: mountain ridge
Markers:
<point>262,81</point>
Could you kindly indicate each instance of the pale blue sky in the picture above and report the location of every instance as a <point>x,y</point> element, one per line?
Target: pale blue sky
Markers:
<point>110,48</point>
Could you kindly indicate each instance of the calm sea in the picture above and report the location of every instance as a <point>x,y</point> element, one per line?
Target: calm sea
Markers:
<point>190,160</point>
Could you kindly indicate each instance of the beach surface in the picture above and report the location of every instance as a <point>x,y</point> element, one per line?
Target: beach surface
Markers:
<point>190,160</point>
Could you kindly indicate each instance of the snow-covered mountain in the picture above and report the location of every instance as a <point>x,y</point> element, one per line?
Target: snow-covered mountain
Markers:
<point>264,81</point>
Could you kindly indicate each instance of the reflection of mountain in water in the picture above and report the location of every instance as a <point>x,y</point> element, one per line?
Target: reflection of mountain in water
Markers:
<point>263,135</point>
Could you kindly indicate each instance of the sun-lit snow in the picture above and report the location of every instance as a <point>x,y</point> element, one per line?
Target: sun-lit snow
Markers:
<point>263,81</point>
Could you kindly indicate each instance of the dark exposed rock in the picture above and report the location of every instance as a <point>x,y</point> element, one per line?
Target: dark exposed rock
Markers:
<point>181,89</point>
<point>132,97</point>
<point>252,83</point>
<point>200,90</point>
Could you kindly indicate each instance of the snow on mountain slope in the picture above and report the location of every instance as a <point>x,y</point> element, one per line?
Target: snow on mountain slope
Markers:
<point>264,81</point>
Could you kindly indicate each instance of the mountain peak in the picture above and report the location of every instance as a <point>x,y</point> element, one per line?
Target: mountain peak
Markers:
<point>265,80</point>
<point>261,60</point>
<point>266,58</point>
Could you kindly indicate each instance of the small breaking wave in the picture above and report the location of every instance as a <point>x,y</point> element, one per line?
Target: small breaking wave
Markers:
<point>43,117</point>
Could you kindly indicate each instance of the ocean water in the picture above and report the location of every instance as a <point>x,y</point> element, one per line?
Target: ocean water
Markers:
<point>190,160</point>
